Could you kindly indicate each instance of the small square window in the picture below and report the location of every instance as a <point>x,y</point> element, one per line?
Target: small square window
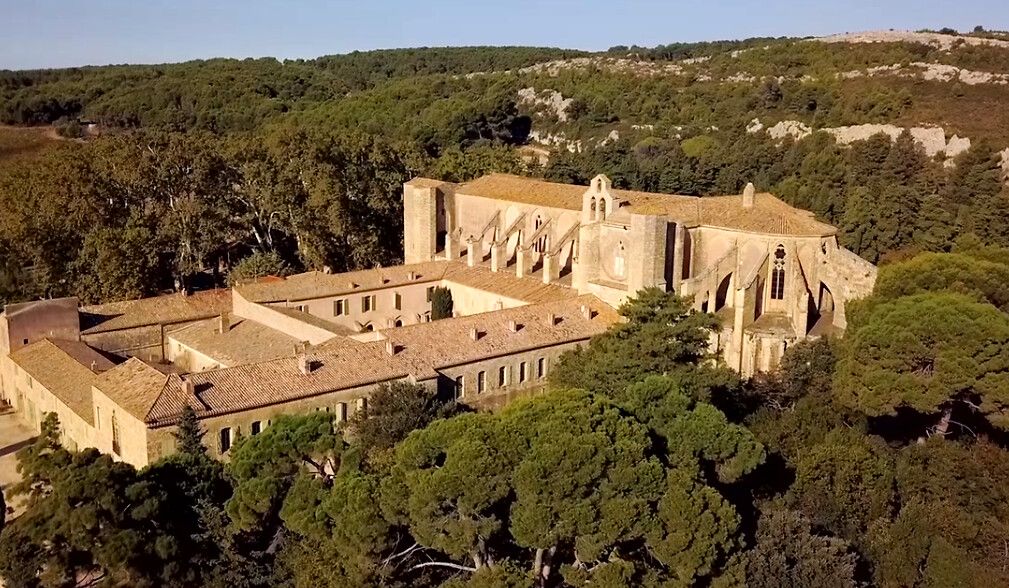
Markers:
<point>256,427</point>
<point>368,303</point>
<point>340,307</point>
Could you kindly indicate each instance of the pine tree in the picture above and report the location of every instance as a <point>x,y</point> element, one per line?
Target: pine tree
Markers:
<point>189,435</point>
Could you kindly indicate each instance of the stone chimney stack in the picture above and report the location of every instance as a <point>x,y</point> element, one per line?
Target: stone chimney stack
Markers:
<point>390,347</point>
<point>748,193</point>
<point>513,326</point>
<point>304,365</point>
<point>586,312</point>
<point>224,323</point>
<point>474,334</point>
<point>188,387</point>
<point>551,319</point>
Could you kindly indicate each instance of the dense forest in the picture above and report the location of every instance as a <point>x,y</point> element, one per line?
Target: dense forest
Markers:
<point>870,460</point>
<point>873,460</point>
<point>192,168</point>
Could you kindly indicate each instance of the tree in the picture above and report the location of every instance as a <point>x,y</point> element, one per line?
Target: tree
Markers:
<point>451,483</point>
<point>441,303</point>
<point>845,484</point>
<point>966,273</point>
<point>788,554</point>
<point>662,335</point>
<point>265,467</point>
<point>189,433</point>
<point>258,265</point>
<point>394,410</point>
<point>942,535</point>
<point>929,353</point>
<point>91,519</point>
<point>587,478</point>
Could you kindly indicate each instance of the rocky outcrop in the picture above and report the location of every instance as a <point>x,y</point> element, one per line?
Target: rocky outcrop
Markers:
<point>932,139</point>
<point>945,42</point>
<point>547,102</point>
<point>933,72</point>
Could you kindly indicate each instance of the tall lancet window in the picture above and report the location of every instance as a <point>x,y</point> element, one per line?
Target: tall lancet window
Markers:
<point>541,244</point>
<point>619,263</point>
<point>778,274</point>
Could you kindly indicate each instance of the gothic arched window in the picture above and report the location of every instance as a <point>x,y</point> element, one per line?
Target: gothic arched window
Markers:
<point>778,274</point>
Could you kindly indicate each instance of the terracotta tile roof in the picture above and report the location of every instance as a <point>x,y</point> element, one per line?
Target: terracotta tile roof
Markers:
<point>419,351</point>
<point>64,368</point>
<point>506,283</point>
<point>246,341</point>
<point>13,309</point>
<point>313,320</point>
<point>309,285</point>
<point>134,385</point>
<point>165,310</point>
<point>769,215</point>
<point>525,190</point>
<point>449,342</point>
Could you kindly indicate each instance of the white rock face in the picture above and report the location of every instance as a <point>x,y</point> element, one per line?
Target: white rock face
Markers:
<point>956,146</point>
<point>1005,163</point>
<point>552,102</point>
<point>789,128</point>
<point>932,139</point>
<point>945,42</point>
<point>934,72</point>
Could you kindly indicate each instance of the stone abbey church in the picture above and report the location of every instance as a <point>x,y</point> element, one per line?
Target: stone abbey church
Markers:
<point>534,268</point>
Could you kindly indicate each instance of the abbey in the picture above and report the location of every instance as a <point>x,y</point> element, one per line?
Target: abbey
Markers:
<point>534,269</point>
<point>771,272</point>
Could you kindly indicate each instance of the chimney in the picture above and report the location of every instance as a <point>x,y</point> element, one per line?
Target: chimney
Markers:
<point>748,193</point>
<point>94,365</point>
<point>513,326</point>
<point>551,319</point>
<point>390,347</point>
<point>304,365</point>
<point>586,312</point>
<point>411,276</point>
<point>188,387</point>
<point>224,323</point>
<point>474,334</point>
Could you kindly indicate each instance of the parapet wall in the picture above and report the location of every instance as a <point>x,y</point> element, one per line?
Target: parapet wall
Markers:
<point>242,307</point>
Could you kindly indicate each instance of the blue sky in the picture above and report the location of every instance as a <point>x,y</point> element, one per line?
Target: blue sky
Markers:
<point>55,33</point>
